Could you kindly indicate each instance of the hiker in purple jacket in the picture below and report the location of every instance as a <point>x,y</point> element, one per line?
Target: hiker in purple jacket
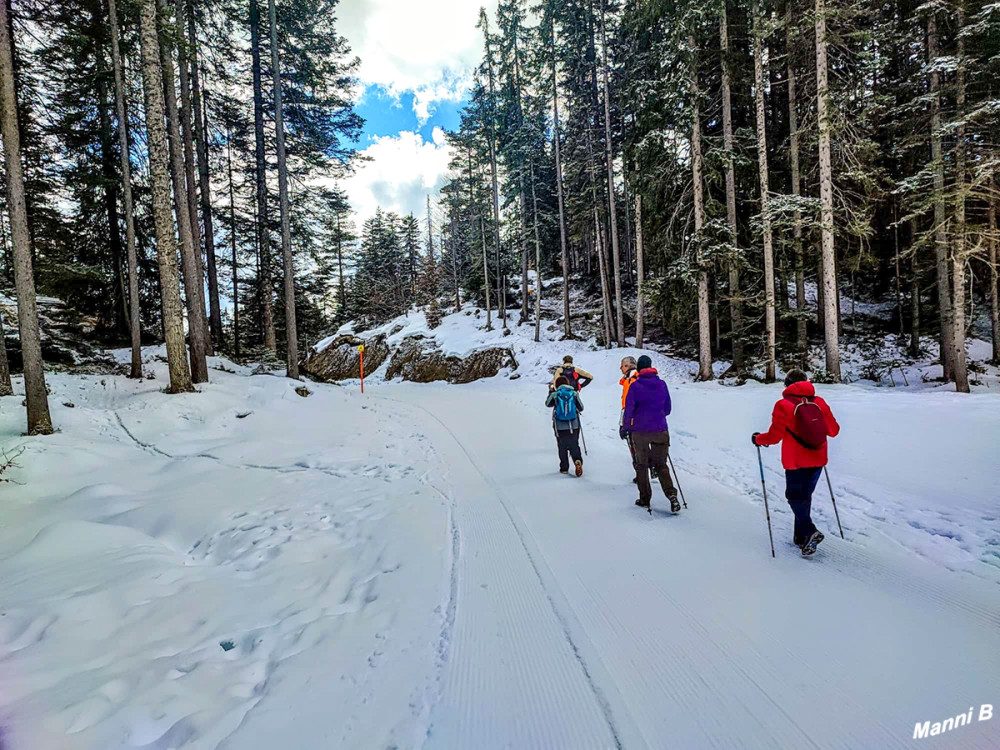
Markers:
<point>646,408</point>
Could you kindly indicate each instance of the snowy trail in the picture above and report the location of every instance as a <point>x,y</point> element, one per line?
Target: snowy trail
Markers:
<point>684,626</point>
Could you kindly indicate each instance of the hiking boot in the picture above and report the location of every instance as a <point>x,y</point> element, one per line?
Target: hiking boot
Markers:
<point>809,548</point>
<point>642,503</point>
<point>675,505</point>
<point>564,471</point>
<point>579,467</point>
<point>635,480</point>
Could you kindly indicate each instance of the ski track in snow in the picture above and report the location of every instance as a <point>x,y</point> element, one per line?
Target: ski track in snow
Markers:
<point>406,570</point>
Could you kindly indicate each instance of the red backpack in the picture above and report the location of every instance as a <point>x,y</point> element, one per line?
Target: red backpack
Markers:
<point>808,424</point>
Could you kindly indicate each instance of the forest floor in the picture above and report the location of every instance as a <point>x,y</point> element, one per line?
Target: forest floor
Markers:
<point>245,567</point>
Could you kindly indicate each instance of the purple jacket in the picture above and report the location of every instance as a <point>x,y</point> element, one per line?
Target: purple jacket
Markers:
<point>647,404</point>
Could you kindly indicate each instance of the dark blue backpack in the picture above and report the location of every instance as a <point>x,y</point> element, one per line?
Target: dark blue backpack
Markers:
<point>565,405</point>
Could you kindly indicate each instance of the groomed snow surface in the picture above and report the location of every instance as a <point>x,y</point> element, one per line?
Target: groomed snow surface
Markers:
<point>244,568</point>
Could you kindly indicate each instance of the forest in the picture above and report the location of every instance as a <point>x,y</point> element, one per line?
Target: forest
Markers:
<point>174,171</point>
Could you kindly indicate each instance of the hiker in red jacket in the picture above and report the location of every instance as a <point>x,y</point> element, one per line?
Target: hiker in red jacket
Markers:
<point>801,422</point>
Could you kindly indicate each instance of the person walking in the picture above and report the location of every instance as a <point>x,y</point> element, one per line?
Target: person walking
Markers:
<point>576,377</point>
<point>647,406</point>
<point>630,372</point>
<point>801,421</point>
<point>566,406</point>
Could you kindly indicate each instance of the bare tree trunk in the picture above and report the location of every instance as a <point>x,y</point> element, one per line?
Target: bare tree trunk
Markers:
<point>801,324</point>
<point>629,258</point>
<point>6,387</point>
<point>602,267</point>
<point>159,177</point>
<point>133,274</point>
<point>291,331</point>
<point>538,257</point>
<point>236,266</point>
<point>639,273</point>
<point>486,274</point>
<point>992,278</point>
<point>765,217</point>
<point>959,249</point>
<point>190,262</point>
<point>830,328</point>
<point>947,338</point>
<point>567,333</point>
<point>454,261</point>
<point>260,163</point>
<point>205,184</point>
<point>184,112</point>
<point>612,213</point>
<point>39,421</point>
<point>735,302</point>
<point>914,298</point>
<point>899,272</point>
<point>704,324</point>
<point>524,253</point>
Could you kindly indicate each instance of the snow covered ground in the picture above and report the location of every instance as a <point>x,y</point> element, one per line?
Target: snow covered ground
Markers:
<point>247,568</point>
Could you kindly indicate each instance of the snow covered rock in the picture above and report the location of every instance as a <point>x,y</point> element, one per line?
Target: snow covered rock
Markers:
<point>64,333</point>
<point>420,360</point>
<point>340,359</point>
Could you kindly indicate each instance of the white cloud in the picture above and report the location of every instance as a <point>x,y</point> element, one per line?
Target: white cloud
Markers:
<point>429,47</point>
<point>401,171</point>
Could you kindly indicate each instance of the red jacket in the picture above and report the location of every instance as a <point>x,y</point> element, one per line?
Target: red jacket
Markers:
<point>794,455</point>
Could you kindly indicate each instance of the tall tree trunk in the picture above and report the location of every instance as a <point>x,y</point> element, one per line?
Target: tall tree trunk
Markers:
<point>603,268</point>
<point>39,421</point>
<point>133,273</point>
<point>232,237</point>
<point>629,258</point>
<point>612,213</point>
<point>118,308</point>
<point>200,102</point>
<point>190,261</point>
<point>830,297</point>
<point>735,301</point>
<point>639,273</point>
<point>454,261</point>
<point>947,337</point>
<point>524,251</point>
<point>567,333</point>
<point>6,387</point>
<point>291,331</point>
<point>765,217</point>
<point>959,248</point>
<point>538,257</point>
<point>899,272</point>
<point>704,325</point>
<point>187,134</point>
<point>991,280</point>
<point>914,302</point>
<point>163,223</point>
<point>260,167</point>
<point>801,322</point>
<point>486,274</point>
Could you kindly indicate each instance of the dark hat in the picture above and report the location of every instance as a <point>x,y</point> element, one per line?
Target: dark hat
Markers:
<point>568,358</point>
<point>795,376</point>
<point>644,362</point>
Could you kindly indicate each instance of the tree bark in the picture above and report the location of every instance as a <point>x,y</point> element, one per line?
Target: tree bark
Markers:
<point>200,102</point>
<point>232,237</point>
<point>603,269</point>
<point>947,337</point>
<point>538,257</point>
<point>6,387</point>
<point>830,297</point>
<point>159,177</point>
<point>291,332</point>
<point>994,292</point>
<point>959,248</point>
<point>260,165</point>
<point>801,324</point>
<point>735,301</point>
<point>39,421</point>
<point>704,324</point>
<point>639,273</point>
<point>612,213</point>
<point>486,274</point>
<point>567,333</point>
<point>524,252</point>
<point>133,274</point>
<point>190,261</point>
<point>914,301</point>
<point>758,68</point>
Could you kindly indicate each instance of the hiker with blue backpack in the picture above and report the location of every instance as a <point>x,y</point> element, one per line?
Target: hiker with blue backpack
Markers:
<point>801,422</point>
<point>566,407</point>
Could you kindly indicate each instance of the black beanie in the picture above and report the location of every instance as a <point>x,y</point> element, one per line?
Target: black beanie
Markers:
<point>644,363</point>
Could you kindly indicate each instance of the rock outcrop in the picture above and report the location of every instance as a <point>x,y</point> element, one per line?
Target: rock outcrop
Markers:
<point>340,359</point>
<point>420,360</point>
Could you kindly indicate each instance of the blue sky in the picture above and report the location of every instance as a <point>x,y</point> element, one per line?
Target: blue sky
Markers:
<point>417,61</point>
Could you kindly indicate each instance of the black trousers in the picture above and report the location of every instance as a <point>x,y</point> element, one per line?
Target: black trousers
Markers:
<point>799,487</point>
<point>651,452</point>
<point>569,445</point>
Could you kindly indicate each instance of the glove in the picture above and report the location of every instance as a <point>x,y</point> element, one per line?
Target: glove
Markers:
<point>753,439</point>
<point>623,432</point>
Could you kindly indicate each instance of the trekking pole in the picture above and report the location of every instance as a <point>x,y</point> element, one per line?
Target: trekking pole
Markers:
<point>583,438</point>
<point>760,462</point>
<point>834,502</point>
<point>677,479</point>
